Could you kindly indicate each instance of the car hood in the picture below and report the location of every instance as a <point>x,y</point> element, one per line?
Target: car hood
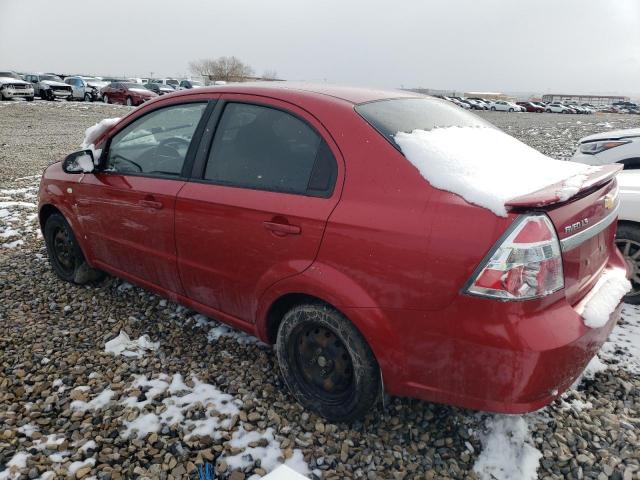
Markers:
<point>53,83</point>
<point>97,84</point>
<point>142,91</point>
<point>13,80</point>
<point>612,135</point>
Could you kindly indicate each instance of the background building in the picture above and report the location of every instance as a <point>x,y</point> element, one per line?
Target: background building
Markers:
<point>580,99</point>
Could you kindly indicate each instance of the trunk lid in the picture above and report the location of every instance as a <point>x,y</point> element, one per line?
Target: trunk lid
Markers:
<point>585,224</point>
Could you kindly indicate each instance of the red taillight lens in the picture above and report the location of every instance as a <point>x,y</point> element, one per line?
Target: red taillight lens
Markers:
<point>526,264</point>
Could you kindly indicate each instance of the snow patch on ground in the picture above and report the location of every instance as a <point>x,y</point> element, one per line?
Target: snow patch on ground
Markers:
<point>123,345</point>
<point>623,347</point>
<point>18,218</point>
<point>485,166</point>
<point>101,401</point>
<point>605,297</point>
<point>17,463</point>
<point>508,452</point>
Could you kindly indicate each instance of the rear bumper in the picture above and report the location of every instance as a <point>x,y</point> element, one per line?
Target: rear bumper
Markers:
<point>506,357</point>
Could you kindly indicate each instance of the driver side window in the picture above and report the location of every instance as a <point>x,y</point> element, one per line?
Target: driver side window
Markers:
<point>157,143</point>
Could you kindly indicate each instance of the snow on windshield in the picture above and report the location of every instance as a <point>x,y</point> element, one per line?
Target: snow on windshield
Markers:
<point>487,167</point>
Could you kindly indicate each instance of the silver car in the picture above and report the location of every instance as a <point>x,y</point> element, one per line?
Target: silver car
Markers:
<point>85,88</point>
<point>12,86</point>
<point>48,86</point>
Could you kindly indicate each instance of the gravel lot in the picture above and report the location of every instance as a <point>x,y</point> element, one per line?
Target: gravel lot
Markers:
<point>211,394</point>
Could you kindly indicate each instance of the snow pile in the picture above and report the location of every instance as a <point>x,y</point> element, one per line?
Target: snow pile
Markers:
<point>123,345</point>
<point>605,297</point>
<point>218,330</point>
<point>218,407</point>
<point>487,167</point>
<point>284,472</point>
<point>85,163</point>
<point>17,463</point>
<point>18,217</point>
<point>263,446</point>
<point>623,347</point>
<point>507,452</point>
<point>101,401</point>
<point>93,133</point>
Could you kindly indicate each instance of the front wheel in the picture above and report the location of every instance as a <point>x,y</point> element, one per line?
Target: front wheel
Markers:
<point>326,363</point>
<point>64,253</point>
<point>628,241</point>
<point>88,97</point>
<point>511,109</point>
<point>29,99</point>
<point>493,109</point>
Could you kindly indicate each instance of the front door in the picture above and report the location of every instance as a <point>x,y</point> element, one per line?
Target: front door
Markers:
<point>258,210</point>
<point>127,208</point>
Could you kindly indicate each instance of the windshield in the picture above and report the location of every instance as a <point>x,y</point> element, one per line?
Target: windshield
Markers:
<point>10,75</point>
<point>172,82</point>
<point>407,114</point>
<point>55,78</point>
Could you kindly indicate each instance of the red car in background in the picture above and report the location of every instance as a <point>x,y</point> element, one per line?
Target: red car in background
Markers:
<point>531,107</point>
<point>127,93</point>
<point>289,212</point>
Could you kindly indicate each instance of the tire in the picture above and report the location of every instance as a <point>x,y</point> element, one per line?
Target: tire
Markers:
<point>326,363</point>
<point>64,253</point>
<point>548,110</point>
<point>29,99</point>
<point>105,99</point>
<point>88,97</point>
<point>511,109</point>
<point>628,241</point>
<point>493,109</point>
<point>128,102</point>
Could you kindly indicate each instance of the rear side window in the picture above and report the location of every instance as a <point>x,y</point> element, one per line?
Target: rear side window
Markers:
<point>267,149</point>
<point>407,114</point>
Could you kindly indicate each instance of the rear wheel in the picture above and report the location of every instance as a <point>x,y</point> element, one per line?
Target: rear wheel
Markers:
<point>129,102</point>
<point>29,99</point>
<point>65,255</point>
<point>326,363</point>
<point>511,109</point>
<point>88,97</point>
<point>628,241</point>
<point>493,109</point>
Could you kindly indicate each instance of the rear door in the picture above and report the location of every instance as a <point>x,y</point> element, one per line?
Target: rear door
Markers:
<point>257,207</point>
<point>127,209</point>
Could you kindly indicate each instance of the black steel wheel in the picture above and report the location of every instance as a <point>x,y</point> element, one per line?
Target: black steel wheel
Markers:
<point>64,253</point>
<point>326,363</point>
<point>628,241</point>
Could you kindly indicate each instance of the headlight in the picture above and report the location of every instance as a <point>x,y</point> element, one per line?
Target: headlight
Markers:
<point>591,148</point>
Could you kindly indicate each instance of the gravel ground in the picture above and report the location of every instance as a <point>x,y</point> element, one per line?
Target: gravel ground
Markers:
<point>209,394</point>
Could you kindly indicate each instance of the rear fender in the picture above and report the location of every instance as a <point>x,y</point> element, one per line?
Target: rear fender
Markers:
<point>345,294</point>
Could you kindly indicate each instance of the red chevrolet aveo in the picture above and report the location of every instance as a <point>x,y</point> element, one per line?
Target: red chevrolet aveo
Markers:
<point>289,212</point>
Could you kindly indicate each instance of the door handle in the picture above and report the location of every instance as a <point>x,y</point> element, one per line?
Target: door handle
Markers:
<point>282,228</point>
<point>150,204</point>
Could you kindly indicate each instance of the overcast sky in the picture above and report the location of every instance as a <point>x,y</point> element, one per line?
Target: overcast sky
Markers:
<point>564,46</point>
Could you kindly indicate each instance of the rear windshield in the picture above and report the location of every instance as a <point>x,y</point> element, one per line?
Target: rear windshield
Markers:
<point>408,114</point>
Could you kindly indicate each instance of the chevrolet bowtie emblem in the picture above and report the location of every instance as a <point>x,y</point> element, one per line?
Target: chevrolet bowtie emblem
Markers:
<point>608,202</point>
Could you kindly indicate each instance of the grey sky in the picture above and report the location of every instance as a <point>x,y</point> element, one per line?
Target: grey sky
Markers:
<point>581,46</point>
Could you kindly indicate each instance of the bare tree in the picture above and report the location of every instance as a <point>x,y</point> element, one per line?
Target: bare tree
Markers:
<point>229,69</point>
<point>270,74</point>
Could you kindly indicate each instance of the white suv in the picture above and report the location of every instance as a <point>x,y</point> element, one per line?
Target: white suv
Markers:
<point>616,146</point>
<point>628,233</point>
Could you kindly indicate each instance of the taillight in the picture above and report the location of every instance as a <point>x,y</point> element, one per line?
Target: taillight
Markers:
<point>526,264</point>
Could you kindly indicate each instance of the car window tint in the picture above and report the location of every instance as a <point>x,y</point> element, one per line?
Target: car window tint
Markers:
<point>267,149</point>
<point>157,143</point>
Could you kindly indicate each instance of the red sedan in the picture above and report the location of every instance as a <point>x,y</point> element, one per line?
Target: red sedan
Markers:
<point>290,213</point>
<point>531,107</point>
<point>126,93</point>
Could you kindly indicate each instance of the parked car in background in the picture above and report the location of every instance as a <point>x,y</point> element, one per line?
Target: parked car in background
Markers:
<point>504,106</point>
<point>628,232</point>
<point>188,84</point>
<point>85,88</point>
<point>263,228</point>
<point>531,107</point>
<point>168,81</point>
<point>476,104</point>
<point>126,93</point>
<point>12,86</point>
<point>615,146</point>
<point>558,108</point>
<point>159,88</point>
<point>48,86</point>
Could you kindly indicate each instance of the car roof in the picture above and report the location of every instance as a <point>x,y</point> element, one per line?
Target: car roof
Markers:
<point>354,95</point>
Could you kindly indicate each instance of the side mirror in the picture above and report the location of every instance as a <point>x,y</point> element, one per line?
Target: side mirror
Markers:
<point>79,162</point>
